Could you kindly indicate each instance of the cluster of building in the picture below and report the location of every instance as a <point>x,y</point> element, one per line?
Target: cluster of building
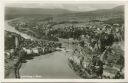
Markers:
<point>95,55</point>
<point>24,48</point>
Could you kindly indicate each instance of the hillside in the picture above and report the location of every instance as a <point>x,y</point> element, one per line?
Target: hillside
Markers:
<point>101,14</point>
<point>12,12</point>
<point>16,12</point>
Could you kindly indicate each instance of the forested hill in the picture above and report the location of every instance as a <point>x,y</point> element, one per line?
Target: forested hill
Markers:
<point>100,14</point>
<point>12,12</point>
<point>17,11</point>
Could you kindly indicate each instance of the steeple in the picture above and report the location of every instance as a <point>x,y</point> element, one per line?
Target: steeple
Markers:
<point>16,42</point>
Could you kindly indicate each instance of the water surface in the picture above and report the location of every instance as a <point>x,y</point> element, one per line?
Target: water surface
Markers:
<point>52,66</point>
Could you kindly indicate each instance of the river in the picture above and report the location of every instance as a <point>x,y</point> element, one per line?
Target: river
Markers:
<point>49,66</point>
<point>12,29</point>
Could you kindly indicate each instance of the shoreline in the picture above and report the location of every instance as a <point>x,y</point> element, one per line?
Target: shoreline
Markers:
<point>19,65</point>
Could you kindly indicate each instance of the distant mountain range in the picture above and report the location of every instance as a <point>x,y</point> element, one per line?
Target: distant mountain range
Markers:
<point>101,12</point>
<point>14,11</point>
<point>29,11</point>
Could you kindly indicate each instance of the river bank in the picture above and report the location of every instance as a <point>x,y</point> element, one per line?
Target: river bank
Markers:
<point>13,65</point>
<point>20,46</point>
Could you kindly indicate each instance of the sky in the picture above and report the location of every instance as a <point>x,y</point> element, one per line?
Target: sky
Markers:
<point>68,6</point>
